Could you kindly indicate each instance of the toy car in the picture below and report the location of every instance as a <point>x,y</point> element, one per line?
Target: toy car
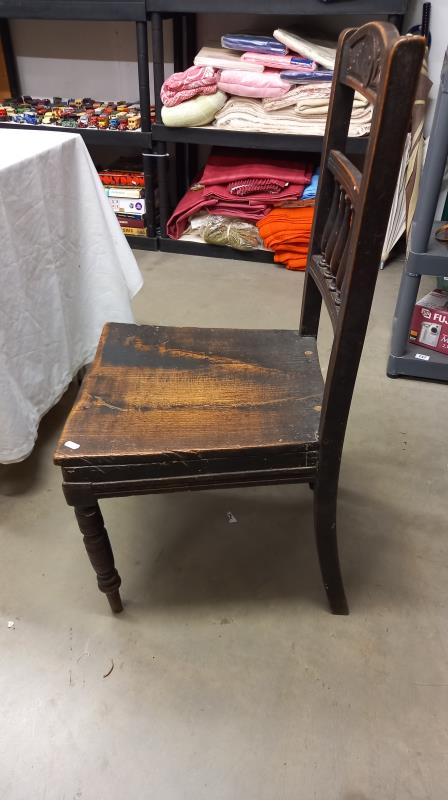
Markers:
<point>123,124</point>
<point>3,112</point>
<point>69,122</point>
<point>134,121</point>
<point>103,121</point>
<point>30,117</point>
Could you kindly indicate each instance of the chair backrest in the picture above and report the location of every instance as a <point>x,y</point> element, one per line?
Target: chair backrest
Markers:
<point>353,207</point>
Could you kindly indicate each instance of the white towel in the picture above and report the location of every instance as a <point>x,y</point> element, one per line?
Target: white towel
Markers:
<point>220,58</point>
<point>316,50</point>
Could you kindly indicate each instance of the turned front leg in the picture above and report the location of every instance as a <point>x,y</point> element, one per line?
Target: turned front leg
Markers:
<point>99,550</point>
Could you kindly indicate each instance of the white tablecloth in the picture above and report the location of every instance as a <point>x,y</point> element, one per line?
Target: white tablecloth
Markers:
<point>66,269</point>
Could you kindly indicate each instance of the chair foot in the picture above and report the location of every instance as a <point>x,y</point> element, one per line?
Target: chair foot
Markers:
<point>99,550</point>
<point>327,549</point>
<point>115,601</point>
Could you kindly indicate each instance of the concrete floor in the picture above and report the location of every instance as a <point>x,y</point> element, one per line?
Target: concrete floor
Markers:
<point>231,680</point>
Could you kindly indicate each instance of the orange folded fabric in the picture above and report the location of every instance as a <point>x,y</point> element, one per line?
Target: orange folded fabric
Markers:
<point>287,231</point>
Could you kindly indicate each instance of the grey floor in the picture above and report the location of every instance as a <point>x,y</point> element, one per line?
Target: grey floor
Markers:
<point>231,680</point>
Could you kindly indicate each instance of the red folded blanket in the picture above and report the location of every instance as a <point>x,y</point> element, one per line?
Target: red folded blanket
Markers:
<point>219,200</point>
<point>217,191</point>
<point>223,168</point>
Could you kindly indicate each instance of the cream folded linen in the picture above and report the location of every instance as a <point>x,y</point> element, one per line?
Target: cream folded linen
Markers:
<point>220,58</point>
<point>305,95</point>
<point>315,50</point>
<point>247,114</point>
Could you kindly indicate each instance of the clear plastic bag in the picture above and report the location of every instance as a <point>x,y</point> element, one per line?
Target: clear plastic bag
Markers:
<point>230,232</point>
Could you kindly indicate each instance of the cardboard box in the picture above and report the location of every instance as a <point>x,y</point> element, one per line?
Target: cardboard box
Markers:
<point>132,192</point>
<point>429,326</point>
<point>127,221</point>
<point>124,205</point>
<point>135,231</point>
<point>121,177</point>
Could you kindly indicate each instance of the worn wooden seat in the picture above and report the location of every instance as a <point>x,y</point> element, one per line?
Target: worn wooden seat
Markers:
<point>168,409</point>
<point>239,399</point>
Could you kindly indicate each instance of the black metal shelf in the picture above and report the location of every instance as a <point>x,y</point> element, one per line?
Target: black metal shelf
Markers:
<point>286,7</point>
<point>137,139</point>
<point>249,140</point>
<point>192,248</point>
<point>101,10</point>
<point>143,242</point>
<point>415,361</point>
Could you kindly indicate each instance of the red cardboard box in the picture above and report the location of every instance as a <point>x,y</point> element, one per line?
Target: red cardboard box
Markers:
<point>429,326</point>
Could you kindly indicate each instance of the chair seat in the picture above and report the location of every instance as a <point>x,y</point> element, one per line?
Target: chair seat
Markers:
<point>195,399</point>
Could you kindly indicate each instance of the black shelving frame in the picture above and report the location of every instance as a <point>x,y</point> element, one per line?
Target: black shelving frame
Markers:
<point>172,153</point>
<point>186,141</point>
<point>98,11</point>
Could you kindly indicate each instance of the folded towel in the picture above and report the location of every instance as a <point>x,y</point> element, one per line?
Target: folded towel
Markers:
<point>253,43</point>
<point>287,231</point>
<point>252,84</point>
<point>315,50</point>
<point>246,114</point>
<point>279,62</point>
<point>183,86</point>
<point>311,190</point>
<point>221,58</point>
<point>304,95</point>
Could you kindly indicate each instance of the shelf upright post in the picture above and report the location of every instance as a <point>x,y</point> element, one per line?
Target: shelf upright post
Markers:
<point>10,61</point>
<point>397,20</point>
<point>159,74</point>
<point>421,228</point>
<point>190,50</point>
<point>145,103</point>
<point>180,64</point>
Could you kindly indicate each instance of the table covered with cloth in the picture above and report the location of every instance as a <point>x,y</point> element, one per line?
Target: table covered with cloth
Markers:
<point>66,269</point>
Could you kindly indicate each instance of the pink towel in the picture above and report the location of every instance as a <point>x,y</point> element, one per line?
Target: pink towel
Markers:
<point>185,85</point>
<point>277,62</point>
<point>252,84</point>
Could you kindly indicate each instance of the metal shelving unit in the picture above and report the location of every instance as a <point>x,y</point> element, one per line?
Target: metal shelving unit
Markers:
<point>247,139</point>
<point>156,142</point>
<point>99,11</point>
<point>138,139</point>
<point>187,140</point>
<point>427,256</point>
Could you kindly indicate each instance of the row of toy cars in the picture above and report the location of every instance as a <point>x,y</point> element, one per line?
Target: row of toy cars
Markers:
<point>72,113</point>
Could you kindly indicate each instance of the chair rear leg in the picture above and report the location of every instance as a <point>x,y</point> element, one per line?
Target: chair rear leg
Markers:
<point>99,550</point>
<point>325,501</point>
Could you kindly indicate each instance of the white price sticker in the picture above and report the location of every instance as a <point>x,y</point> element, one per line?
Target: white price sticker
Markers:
<point>422,357</point>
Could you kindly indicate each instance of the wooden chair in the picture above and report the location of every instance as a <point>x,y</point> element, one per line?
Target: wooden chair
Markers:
<point>172,409</point>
